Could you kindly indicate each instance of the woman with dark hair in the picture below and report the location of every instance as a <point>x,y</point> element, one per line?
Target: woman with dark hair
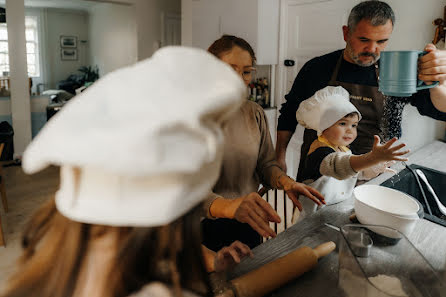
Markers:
<point>126,217</point>
<point>235,211</point>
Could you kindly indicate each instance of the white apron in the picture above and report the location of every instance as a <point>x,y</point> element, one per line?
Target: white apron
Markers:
<point>334,191</point>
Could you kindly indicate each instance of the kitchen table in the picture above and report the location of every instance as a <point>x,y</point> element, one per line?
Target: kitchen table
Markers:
<point>429,238</point>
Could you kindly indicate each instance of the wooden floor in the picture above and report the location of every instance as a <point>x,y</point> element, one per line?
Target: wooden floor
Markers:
<point>25,194</point>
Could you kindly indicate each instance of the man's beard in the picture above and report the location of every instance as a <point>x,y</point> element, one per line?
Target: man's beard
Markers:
<point>355,57</point>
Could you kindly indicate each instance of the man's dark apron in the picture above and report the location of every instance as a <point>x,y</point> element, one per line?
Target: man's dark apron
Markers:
<point>369,101</point>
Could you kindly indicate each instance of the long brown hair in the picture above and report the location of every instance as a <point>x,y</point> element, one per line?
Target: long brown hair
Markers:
<point>55,247</point>
<point>227,42</point>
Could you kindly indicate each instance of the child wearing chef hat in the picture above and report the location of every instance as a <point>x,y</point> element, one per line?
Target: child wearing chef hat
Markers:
<point>138,151</point>
<point>330,166</point>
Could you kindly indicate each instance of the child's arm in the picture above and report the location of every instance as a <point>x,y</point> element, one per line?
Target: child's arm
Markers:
<point>380,153</point>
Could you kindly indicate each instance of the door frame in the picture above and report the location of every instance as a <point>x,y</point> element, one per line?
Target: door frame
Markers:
<point>280,81</point>
<point>165,16</point>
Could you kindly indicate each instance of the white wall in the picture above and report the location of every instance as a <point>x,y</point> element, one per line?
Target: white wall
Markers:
<point>149,23</point>
<point>41,39</point>
<point>413,30</point>
<point>52,23</point>
<point>142,16</point>
<point>69,23</point>
<point>112,36</point>
<point>186,22</point>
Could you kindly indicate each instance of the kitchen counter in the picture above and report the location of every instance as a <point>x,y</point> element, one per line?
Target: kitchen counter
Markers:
<point>429,238</point>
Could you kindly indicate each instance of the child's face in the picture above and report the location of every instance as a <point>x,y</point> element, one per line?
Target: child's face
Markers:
<point>343,132</point>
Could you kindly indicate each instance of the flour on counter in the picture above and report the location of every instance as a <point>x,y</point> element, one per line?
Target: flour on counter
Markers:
<point>389,284</point>
<point>384,285</point>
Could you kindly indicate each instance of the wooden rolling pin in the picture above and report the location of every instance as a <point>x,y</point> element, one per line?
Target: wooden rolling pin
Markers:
<point>275,274</point>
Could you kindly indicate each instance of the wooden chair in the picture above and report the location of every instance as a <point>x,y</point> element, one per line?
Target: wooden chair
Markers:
<point>3,194</point>
<point>279,200</point>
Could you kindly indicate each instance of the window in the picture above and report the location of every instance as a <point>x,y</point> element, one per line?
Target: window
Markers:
<point>32,47</point>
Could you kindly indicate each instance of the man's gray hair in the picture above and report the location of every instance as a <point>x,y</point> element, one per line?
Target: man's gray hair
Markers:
<point>377,12</point>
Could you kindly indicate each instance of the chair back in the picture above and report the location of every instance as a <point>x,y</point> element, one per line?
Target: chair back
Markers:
<point>279,200</point>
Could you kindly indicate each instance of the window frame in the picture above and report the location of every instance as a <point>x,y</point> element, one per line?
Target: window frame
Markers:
<point>36,64</point>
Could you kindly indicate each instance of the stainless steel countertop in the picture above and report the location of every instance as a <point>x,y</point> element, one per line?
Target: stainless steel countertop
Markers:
<point>429,238</point>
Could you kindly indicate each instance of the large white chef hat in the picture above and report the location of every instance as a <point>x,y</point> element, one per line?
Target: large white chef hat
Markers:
<point>324,108</point>
<point>141,146</point>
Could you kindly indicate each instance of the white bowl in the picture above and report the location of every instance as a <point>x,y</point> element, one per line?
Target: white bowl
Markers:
<point>371,216</point>
<point>387,200</point>
<point>378,205</point>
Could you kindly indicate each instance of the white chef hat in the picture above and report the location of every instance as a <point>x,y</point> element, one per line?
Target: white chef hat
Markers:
<point>142,145</point>
<point>324,108</point>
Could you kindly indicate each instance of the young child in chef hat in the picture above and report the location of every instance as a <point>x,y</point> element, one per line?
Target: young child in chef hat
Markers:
<point>138,152</point>
<point>330,166</point>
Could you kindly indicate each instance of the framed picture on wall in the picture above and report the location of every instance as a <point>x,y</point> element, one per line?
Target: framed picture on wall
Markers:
<point>68,41</point>
<point>68,54</point>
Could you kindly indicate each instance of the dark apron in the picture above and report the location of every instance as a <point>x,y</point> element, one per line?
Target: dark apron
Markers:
<point>369,101</point>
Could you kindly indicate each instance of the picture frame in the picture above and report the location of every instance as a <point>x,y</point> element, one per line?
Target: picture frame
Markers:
<point>68,41</point>
<point>68,54</point>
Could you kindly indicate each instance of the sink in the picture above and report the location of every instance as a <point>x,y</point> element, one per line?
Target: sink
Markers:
<point>405,182</point>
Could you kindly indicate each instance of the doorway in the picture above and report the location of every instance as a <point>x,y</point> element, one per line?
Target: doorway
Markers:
<point>308,28</point>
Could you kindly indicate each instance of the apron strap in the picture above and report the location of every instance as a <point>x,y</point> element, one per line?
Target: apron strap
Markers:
<point>334,74</point>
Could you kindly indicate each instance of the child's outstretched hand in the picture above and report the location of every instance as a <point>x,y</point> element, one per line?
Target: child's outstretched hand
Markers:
<point>385,153</point>
<point>388,151</point>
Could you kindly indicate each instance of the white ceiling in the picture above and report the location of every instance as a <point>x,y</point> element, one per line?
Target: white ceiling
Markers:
<point>67,4</point>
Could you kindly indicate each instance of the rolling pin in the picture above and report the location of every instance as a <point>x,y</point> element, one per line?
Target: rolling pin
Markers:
<point>275,274</point>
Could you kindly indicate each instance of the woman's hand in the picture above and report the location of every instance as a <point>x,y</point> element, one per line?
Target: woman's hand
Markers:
<point>229,256</point>
<point>295,189</point>
<point>255,211</point>
<point>251,209</point>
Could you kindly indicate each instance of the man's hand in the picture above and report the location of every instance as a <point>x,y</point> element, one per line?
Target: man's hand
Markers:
<point>229,256</point>
<point>250,209</point>
<point>432,66</point>
<point>295,189</point>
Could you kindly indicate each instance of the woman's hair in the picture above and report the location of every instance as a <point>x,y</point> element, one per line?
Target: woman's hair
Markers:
<point>55,248</point>
<point>227,42</point>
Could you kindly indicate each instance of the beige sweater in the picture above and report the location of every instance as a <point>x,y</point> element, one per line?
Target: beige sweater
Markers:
<point>249,157</point>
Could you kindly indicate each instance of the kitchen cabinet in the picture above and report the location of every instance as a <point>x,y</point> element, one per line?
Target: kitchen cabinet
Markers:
<point>256,21</point>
